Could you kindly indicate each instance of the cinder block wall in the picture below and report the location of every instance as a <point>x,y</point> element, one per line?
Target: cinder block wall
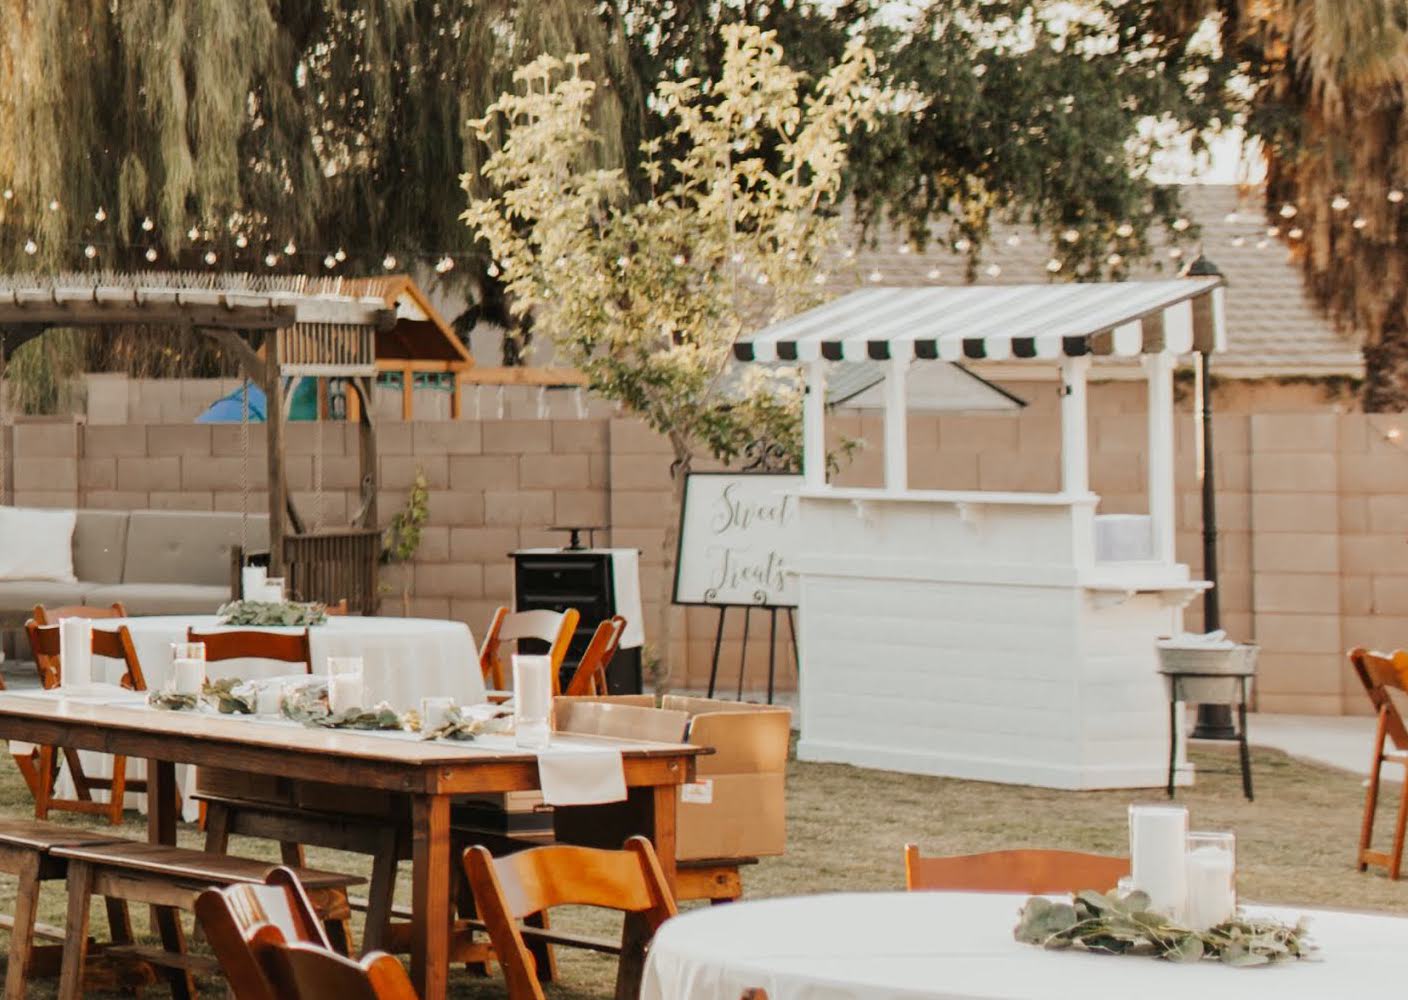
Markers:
<point>1312,508</point>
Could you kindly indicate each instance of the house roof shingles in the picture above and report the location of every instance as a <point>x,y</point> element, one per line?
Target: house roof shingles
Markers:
<point>1273,328</point>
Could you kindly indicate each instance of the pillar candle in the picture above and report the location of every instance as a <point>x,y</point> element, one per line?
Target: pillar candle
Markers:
<point>187,676</point>
<point>252,582</point>
<point>434,712</point>
<point>344,692</point>
<point>75,652</point>
<point>1158,838</point>
<point>1212,893</point>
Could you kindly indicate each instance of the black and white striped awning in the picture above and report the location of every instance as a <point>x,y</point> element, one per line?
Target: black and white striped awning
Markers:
<point>998,322</point>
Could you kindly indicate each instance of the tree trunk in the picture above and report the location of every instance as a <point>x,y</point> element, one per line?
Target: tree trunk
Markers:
<point>1386,370</point>
<point>679,473</point>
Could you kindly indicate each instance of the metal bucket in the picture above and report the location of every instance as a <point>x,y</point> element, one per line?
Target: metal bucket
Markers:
<point>1208,676</point>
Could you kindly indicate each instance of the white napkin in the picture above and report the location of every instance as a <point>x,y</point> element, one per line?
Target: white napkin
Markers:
<point>625,574</point>
<point>581,776</point>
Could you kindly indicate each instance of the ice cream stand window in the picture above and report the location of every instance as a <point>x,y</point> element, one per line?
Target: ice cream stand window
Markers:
<point>994,636</point>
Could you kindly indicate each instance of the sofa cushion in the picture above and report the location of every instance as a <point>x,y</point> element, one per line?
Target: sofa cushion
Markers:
<point>160,598</point>
<point>172,546</point>
<point>99,541</point>
<point>36,544</point>
<point>20,596</point>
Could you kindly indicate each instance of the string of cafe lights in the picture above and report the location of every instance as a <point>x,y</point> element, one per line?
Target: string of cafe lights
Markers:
<point>443,261</point>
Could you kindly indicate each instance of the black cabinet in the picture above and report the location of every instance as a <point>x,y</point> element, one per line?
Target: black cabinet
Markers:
<point>555,580</point>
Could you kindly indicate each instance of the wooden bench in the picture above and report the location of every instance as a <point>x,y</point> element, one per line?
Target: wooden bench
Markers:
<point>170,878</point>
<point>26,851</point>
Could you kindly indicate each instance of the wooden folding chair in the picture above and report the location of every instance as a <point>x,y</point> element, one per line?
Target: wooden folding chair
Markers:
<point>308,972</point>
<point>51,616</point>
<point>337,610</point>
<point>254,644</point>
<point>590,678</point>
<point>1383,680</point>
<point>237,917</point>
<point>41,770</point>
<point>509,889</point>
<point>552,627</point>
<point>1035,872</point>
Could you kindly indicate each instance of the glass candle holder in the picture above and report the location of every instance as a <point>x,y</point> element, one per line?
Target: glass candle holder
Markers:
<point>1212,879</point>
<point>434,712</point>
<point>345,686</point>
<point>532,701</point>
<point>187,667</point>
<point>274,589</point>
<point>1158,843</point>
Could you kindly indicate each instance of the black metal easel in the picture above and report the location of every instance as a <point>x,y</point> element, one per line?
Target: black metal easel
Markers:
<point>743,649</point>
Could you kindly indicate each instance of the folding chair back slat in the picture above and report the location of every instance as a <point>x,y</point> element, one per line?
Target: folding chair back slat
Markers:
<point>255,644</point>
<point>553,627</point>
<point>590,678</point>
<point>307,972</point>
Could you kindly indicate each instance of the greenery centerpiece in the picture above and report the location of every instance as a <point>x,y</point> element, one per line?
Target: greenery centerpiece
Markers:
<point>1124,925</point>
<point>291,613</point>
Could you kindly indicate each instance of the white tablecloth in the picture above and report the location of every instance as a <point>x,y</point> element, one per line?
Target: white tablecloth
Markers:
<point>403,659</point>
<point>885,946</point>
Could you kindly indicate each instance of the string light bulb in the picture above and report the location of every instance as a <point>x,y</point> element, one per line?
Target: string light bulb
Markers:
<point>934,274</point>
<point>819,278</point>
<point>90,251</point>
<point>389,262</point>
<point>1239,241</point>
<point>963,245</point>
<point>329,262</point>
<point>193,233</point>
<point>1180,224</point>
<point>446,263</point>
<point>1273,231</point>
<point>1053,265</point>
<point>1114,260</point>
<point>1393,433</point>
<point>1014,240</point>
<point>150,255</point>
<point>493,269</point>
<point>1071,235</point>
<point>1124,230</point>
<point>903,250</point>
<point>270,259</point>
<point>1296,233</point>
<point>1339,203</point>
<point>147,224</point>
<point>54,205</point>
<point>1175,253</point>
<point>1395,196</point>
<point>1288,211</point>
<point>30,247</point>
<point>994,271</point>
<point>290,249</point>
<point>9,193</point>
<point>1360,222</point>
<point>876,277</point>
<point>340,254</point>
<point>210,258</point>
<point>101,214</point>
<point>241,241</point>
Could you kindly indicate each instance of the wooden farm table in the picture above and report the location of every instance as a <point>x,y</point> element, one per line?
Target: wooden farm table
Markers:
<point>429,773</point>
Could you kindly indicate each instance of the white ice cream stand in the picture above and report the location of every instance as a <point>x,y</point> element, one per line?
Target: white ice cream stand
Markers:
<point>985,635</point>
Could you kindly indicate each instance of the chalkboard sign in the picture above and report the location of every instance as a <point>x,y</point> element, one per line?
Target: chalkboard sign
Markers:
<point>738,533</point>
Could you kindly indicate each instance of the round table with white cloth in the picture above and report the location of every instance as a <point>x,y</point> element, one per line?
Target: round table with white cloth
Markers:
<point>886,946</point>
<point>403,661</point>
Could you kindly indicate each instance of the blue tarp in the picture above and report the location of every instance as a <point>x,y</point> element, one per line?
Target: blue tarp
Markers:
<point>229,409</point>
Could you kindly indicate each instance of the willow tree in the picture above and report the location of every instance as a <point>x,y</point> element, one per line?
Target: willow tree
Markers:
<point>646,296</point>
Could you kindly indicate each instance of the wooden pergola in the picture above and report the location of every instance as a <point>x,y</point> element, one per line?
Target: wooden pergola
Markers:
<point>276,327</point>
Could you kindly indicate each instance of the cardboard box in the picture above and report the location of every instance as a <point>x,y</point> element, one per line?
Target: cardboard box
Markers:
<point>737,805</point>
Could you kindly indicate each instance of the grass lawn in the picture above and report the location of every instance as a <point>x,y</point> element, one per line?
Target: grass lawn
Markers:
<point>847,826</point>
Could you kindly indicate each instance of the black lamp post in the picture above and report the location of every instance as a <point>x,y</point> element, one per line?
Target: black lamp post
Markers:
<point>1214,721</point>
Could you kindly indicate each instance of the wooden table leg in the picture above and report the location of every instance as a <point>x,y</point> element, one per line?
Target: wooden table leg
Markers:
<point>163,806</point>
<point>662,834</point>
<point>431,883</point>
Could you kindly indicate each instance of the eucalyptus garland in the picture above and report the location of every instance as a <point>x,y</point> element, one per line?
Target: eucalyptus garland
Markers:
<point>1114,925</point>
<point>291,613</point>
<point>457,726</point>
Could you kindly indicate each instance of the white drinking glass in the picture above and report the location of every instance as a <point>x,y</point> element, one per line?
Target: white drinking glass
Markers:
<point>434,712</point>
<point>345,684</point>
<point>187,667</point>
<point>532,701</point>
<point>1212,879</point>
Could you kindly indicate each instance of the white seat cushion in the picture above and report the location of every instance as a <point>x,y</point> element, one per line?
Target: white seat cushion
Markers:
<point>36,544</point>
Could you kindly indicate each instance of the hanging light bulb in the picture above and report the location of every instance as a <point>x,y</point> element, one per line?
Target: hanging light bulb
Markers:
<point>389,262</point>
<point>270,259</point>
<point>876,277</point>
<point>1124,230</point>
<point>1175,253</point>
<point>9,193</point>
<point>1288,211</point>
<point>1114,260</point>
<point>849,254</point>
<point>290,249</point>
<point>963,245</point>
<point>193,233</point>
<point>1014,240</point>
<point>993,271</point>
<point>329,262</point>
<point>1180,224</point>
<point>446,263</point>
<point>54,205</point>
<point>30,247</point>
<point>762,279</point>
<point>341,255</point>
<point>1395,196</point>
<point>1053,265</point>
<point>241,241</point>
<point>90,251</point>
<point>1239,241</point>
<point>679,261</point>
<point>1296,233</point>
<point>210,257</point>
<point>147,224</point>
<point>150,255</point>
<point>1339,203</point>
<point>1273,231</point>
<point>1071,235</point>
<point>933,274</point>
<point>101,214</point>
<point>493,270</point>
<point>1262,244</point>
<point>903,249</point>
<point>1360,222</point>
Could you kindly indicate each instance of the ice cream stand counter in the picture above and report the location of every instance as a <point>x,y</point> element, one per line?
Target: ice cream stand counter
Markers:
<point>987,635</point>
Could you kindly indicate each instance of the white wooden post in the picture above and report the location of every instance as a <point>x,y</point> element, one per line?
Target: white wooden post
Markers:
<point>814,427</point>
<point>896,426</point>
<point>1159,368</point>
<point>1075,436</point>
